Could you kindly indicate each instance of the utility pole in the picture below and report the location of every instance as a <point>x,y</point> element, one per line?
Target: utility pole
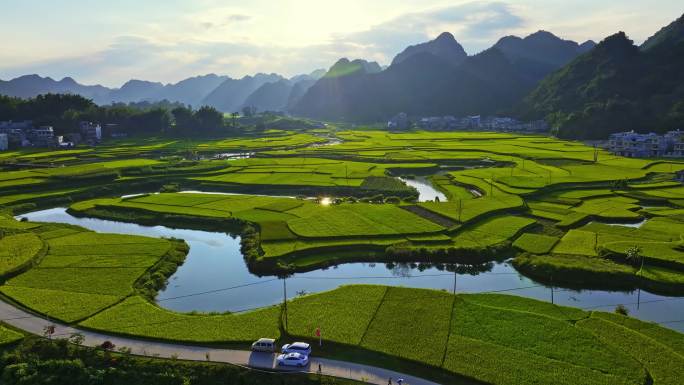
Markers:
<point>346,174</point>
<point>595,153</point>
<point>639,288</point>
<point>455,274</point>
<point>285,299</point>
<point>460,209</point>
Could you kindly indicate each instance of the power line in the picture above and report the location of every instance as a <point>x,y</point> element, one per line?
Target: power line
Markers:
<point>375,277</point>
<point>217,290</point>
<point>451,274</point>
<point>633,303</point>
<point>512,289</point>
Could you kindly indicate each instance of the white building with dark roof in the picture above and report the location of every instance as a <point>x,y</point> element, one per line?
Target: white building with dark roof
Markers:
<point>634,145</point>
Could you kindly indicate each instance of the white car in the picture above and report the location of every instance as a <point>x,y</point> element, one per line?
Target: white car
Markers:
<point>264,345</point>
<point>297,347</point>
<point>293,359</point>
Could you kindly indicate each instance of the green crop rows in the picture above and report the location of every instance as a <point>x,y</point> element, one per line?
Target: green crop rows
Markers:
<point>17,250</point>
<point>492,338</point>
<point>504,178</point>
<point>82,272</point>
<point>567,213</point>
<point>137,317</point>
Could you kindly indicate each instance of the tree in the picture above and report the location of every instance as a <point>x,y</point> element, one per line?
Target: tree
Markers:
<point>233,118</point>
<point>209,119</point>
<point>622,310</point>
<point>107,345</point>
<point>156,120</point>
<point>249,111</point>
<point>634,256</point>
<point>184,119</point>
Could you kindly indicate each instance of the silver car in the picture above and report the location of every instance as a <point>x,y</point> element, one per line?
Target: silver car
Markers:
<point>292,359</point>
<point>297,347</point>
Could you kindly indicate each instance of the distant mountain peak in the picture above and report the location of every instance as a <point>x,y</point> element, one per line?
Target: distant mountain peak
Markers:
<point>138,82</point>
<point>616,42</point>
<point>33,77</point>
<point>667,37</point>
<point>231,94</point>
<point>542,34</point>
<point>640,80</point>
<point>317,74</point>
<point>68,80</point>
<point>541,51</point>
<point>29,86</point>
<point>344,67</point>
<point>587,46</point>
<point>445,36</point>
<point>443,46</point>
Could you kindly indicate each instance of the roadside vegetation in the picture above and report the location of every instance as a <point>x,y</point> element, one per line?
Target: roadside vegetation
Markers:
<point>34,360</point>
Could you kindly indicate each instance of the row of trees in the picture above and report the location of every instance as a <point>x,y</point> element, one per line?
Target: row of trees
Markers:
<point>65,111</point>
<point>205,120</point>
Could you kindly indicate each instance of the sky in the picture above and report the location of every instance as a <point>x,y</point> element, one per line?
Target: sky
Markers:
<point>110,42</point>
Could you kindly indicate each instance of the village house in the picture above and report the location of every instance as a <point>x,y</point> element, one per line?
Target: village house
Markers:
<point>43,136</point>
<point>91,132</point>
<point>635,145</point>
<point>399,122</point>
<point>480,123</point>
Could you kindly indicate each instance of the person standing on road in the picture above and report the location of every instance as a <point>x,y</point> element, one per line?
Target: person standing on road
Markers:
<point>390,381</point>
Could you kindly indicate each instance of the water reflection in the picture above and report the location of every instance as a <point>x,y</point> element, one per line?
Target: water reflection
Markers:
<point>214,277</point>
<point>426,191</point>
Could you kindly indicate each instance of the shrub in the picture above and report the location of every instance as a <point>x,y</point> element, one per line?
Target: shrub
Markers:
<point>622,310</point>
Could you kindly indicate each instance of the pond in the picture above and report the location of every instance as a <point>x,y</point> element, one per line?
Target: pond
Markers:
<point>635,225</point>
<point>426,191</point>
<point>233,155</point>
<point>215,277</point>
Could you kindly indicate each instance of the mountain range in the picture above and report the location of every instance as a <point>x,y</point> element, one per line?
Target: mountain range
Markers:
<point>617,86</point>
<point>583,90</point>
<point>435,77</point>
<point>264,91</point>
<point>439,78</point>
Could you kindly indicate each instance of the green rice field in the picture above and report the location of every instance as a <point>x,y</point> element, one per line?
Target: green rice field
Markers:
<point>562,212</point>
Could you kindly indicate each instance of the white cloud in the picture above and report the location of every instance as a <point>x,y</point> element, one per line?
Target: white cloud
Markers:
<point>475,25</point>
<point>236,38</point>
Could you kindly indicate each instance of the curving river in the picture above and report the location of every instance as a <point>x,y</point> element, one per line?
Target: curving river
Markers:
<point>215,277</point>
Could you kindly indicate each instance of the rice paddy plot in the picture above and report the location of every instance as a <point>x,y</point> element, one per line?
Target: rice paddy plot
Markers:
<point>17,250</point>
<point>535,243</point>
<point>139,318</point>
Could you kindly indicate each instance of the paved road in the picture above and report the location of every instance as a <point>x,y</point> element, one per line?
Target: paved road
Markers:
<point>34,324</point>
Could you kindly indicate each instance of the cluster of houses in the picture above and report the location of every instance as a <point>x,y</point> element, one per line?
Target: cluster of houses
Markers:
<point>25,134</point>
<point>468,123</point>
<point>634,145</point>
